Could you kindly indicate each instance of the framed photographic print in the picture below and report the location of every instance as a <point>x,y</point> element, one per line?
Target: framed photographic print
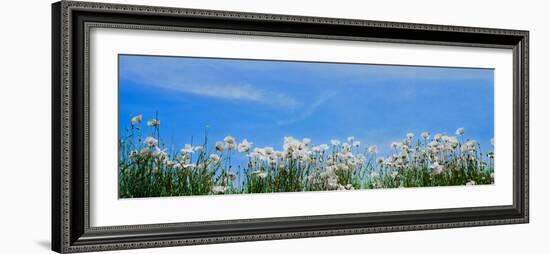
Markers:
<point>181,126</point>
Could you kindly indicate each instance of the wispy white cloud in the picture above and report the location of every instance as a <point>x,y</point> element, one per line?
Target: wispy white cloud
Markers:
<point>309,110</point>
<point>176,80</point>
<point>243,92</point>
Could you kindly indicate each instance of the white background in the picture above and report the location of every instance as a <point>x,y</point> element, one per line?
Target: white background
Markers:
<point>108,210</point>
<point>25,126</point>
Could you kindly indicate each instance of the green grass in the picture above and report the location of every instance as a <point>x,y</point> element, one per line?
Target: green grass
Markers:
<point>150,168</point>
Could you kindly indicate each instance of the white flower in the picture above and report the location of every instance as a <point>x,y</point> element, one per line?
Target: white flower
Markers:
<point>410,135</point>
<point>351,139</point>
<point>261,174</point>
<point>361,158</point>
<point>153,122</point>
<point>356,143</point>
<point>380,160</point>
<point>335,142</point>
<point>145,151</point>
<point>229,140</point>
<point>396,145</point>
<point>469,146</point>
<point>452,142</point>
<point>346,147</point>
<point>150,141</point>
<point>433,145</point>
<point>199,149</point>
<point>452,139</point>
<point>471,182</point>
<point>332,183</point>
<point>255,155</point>
<point>437,137</point>
<point>425,135</point>
<point>230,146</point>
<point>436,168</point>
<point>394,174</point>
<point>268,150</point>
<point>316,149</point>
<point>214,157</point>
<point>136,119</point>
<point>231,176</point>
<point>188,166</point>
<point>323,147</point>
<point>219,189</point>
<point>156,152</point>
<point>219,146</point>
<point>244,146</point>
<point>460,131</point>
<point>373,149</point>
<point>306,141</point>
<point>187,149</point>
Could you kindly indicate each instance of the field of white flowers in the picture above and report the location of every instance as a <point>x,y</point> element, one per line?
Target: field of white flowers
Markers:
<point>149,168</point>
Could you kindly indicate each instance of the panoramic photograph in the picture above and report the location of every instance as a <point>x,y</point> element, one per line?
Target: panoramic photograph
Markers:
<point>214,126</point>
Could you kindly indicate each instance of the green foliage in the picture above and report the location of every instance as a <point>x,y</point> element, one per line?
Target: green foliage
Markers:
<point>147,169</point>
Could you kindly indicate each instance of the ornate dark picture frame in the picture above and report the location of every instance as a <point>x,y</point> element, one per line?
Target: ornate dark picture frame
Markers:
<point>71,22</point>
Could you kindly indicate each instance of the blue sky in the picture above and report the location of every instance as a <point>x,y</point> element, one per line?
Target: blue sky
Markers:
<point>263,101</point>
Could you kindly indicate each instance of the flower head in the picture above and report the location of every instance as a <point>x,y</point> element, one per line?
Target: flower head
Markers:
<point>214,157</point>
<point>245,146</point>
<point>219,146</point>
<point>136,119</point>
<point>229,140</point>
<point>469,146</point>
<point>436,168</point>
<point>268,150</point>
<point>150,141</point>
<point>316,149</point>
<point>153,122</point>
<point>219,189</point>
<point>156,152</point>
<point>145,151</point>
<point>373,149</point>
<point>425,135</point>
<point>260,173</point>
<point>188,166</point>
<point>231,176</point>
<point>396,145</point>
<point>460,131</point>
<point>187,149</point>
